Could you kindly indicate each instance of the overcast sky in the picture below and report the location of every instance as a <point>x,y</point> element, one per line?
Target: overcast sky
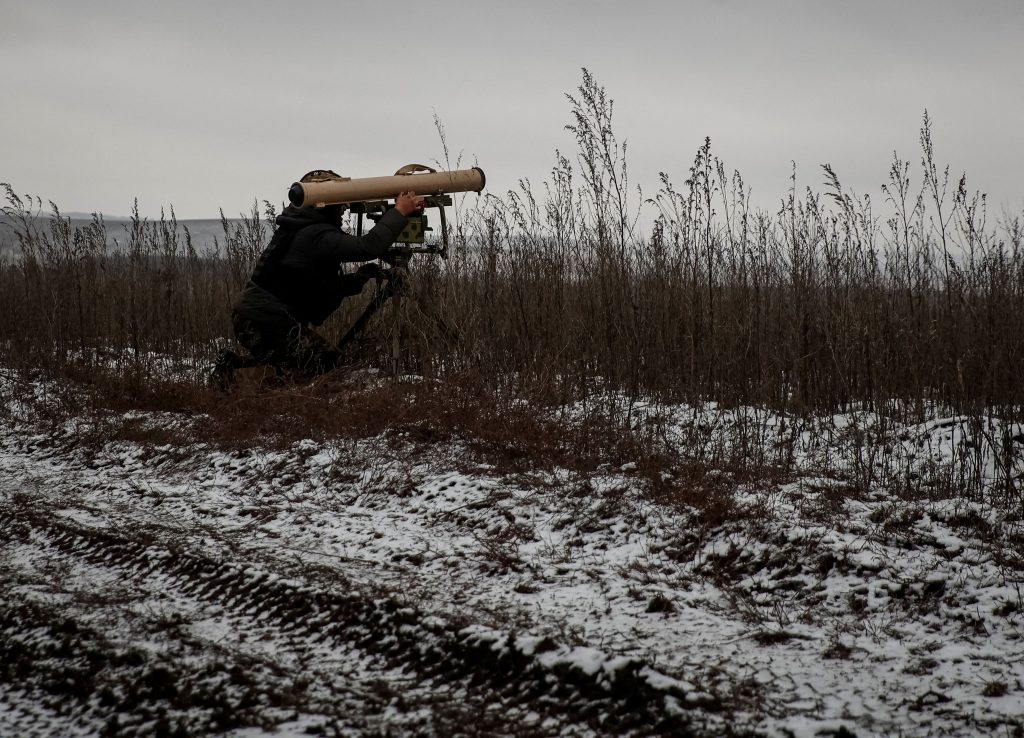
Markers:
<point>207,105</point>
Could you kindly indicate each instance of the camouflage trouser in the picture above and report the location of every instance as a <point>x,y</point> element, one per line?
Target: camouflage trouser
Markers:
<point>299,348</point>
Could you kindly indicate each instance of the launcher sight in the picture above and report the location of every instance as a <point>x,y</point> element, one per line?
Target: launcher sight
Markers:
<point>413,239</point>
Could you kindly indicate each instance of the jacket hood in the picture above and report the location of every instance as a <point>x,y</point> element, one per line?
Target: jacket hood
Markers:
<point>294,217</point>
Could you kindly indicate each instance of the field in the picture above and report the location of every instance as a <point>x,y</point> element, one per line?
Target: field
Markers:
<point>732,473</point>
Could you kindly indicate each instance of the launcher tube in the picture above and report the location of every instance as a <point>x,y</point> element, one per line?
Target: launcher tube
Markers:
<point>320,194</point>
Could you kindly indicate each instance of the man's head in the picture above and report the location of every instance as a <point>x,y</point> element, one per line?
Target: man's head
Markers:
<point>332,213</point>
<point>321,175</point>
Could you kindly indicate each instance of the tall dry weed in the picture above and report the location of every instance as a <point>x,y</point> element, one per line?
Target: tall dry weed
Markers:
<point>555,294</point>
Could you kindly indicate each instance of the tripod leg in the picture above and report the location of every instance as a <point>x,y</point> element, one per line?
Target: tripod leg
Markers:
<point>382,296</point>
<point>400,277</point>
<point>396,343</point>
<point>393,290</point>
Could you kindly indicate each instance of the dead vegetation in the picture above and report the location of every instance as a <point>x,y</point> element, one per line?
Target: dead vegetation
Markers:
<point>567,315</point>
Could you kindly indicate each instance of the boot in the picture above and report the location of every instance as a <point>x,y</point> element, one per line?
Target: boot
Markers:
<point>222,376</point>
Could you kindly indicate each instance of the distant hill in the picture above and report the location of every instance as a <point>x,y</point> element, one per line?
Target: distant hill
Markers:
<point>203,231</point>
<point>78,215</point>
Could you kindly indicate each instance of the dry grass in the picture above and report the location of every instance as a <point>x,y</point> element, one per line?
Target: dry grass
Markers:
<point>553,298</point>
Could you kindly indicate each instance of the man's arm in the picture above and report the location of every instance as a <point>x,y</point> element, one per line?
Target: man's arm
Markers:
<point>343,246</point>
<point>375,244</point>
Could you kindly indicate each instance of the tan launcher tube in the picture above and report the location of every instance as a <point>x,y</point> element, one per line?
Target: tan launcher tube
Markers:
<point>320,194</point>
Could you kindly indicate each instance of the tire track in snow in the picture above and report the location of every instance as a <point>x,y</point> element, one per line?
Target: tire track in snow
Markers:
<point>445,670</point>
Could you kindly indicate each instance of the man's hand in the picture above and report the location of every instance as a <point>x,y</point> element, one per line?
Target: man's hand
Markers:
<point>409,203</point>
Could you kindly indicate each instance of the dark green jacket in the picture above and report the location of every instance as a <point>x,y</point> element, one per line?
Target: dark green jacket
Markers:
<point>298,276</point>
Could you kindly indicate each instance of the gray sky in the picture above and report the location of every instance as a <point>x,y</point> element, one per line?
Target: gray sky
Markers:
<point>203,105</point>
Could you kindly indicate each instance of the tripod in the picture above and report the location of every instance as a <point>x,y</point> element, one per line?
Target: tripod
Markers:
<point>395,289</point>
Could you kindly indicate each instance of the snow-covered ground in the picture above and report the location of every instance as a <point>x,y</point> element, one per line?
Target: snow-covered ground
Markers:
<point>386,586</point>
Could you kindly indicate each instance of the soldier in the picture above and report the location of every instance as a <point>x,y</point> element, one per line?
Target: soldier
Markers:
<point>298,282</point>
